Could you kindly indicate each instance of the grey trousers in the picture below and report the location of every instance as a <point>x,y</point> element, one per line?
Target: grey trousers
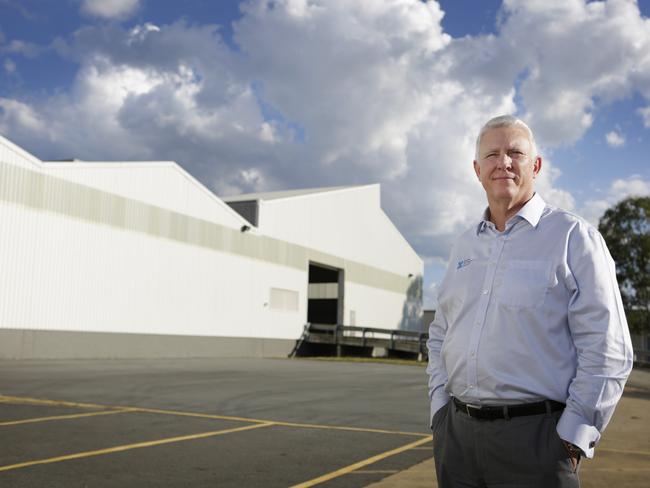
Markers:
<point>522,452</point>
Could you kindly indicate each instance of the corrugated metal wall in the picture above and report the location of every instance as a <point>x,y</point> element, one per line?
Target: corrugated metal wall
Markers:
<point>78,258</point>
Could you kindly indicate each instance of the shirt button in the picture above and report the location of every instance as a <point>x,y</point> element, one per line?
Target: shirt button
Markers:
<point>471,386</point>
<point>485,292</point>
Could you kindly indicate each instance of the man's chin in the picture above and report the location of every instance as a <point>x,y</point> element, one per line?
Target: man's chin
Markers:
<point>504,196</point>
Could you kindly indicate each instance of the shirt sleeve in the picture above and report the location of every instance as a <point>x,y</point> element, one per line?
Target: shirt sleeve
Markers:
<point>438,378</point>
<point>438,397</point>
<point>601,337</point>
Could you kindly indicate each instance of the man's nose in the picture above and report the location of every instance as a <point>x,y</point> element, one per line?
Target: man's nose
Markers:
<point>504,161</point>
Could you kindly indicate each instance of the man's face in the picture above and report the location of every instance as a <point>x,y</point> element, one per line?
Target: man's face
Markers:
<point>505,165</point>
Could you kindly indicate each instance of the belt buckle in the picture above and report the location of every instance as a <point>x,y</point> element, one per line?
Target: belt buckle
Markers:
<point>468,406</point>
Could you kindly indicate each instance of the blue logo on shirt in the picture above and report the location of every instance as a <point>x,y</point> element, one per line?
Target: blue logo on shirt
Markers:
<point>463,263</point>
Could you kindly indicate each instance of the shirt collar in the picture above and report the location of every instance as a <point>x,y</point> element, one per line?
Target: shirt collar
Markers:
<point>531,212</point>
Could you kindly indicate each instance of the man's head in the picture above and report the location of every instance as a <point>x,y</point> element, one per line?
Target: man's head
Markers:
<point>506,161</point>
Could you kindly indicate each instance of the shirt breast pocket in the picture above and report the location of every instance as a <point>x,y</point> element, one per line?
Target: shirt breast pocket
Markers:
<point>524,283</point>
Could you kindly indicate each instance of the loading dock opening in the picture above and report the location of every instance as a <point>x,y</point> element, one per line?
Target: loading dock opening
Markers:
<point>325,294</point>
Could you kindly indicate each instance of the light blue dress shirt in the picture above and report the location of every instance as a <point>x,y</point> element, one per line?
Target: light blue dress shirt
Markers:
<point>532,313</point>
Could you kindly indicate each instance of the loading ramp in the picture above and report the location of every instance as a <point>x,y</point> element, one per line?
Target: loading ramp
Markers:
<point>362,339</point>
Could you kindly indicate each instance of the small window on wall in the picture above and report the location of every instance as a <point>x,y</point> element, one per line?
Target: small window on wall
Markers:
<point>282,299</point>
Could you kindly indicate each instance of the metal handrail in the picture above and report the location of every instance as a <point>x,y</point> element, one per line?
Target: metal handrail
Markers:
<point>364,330</point>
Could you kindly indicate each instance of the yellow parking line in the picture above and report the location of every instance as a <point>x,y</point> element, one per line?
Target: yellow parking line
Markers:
<point>361,464</point>
<point>351,429</point>
<point>217,417</point>
<point>196,414</point>
<point>63,417</point>
<point>375,471</point>
<point>128,447</point>
<point>37,401</point>
<point>276,422</point>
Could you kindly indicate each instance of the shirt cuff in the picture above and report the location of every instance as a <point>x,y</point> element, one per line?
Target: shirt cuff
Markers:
<point>439,400</point>
<point>573,428</point>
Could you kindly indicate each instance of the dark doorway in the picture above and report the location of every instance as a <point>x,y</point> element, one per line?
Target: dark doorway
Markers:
<point>325,295</point>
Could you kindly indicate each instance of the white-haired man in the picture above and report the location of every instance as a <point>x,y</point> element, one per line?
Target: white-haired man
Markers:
<point>529,350</point>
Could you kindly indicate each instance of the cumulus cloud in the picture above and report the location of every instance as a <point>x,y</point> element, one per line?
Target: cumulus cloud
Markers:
<point>555,41</point>
<point>614,139</point>
<point>20,116</point>
<point>337,92</point>
<point>110,9</point>
<point>620,189</point>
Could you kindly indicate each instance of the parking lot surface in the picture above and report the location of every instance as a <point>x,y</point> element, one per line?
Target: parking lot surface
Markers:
<point>209,422</point>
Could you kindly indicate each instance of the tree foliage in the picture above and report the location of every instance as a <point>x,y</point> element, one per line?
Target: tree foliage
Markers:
<point>626,229</point>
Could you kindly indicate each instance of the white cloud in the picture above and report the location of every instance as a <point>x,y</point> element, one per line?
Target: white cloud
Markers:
<point>9,66</point>
<point>430,296</point>
<point>338,92</point>
<point>645,113</point>
<point>620,189</point>
<point>27,49</point>
<point>614,139</point>
<point>20,115</point>
<point>110,9</point>
<point>546,187</point>
<point>555,40</point>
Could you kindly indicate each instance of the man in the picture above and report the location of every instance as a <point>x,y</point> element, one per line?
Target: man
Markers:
<point>529,350</point>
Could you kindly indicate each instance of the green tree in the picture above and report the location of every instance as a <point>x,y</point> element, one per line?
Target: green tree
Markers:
<point>626,229</point>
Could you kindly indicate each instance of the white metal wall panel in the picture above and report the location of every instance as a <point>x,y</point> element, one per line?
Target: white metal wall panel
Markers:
<point>281,299</point>
<point>348,223</point>
<point>163,184</point>
<point>61,273</point>
<point>372,307</point>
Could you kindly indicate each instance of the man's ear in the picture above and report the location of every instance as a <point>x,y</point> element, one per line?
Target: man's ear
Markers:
<point>537,166</point>
<point>477,170</point>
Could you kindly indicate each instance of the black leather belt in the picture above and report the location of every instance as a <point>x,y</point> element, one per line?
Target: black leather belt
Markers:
<point>490,412</point>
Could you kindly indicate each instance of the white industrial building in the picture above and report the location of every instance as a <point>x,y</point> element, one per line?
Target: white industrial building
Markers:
<point>141,260</point>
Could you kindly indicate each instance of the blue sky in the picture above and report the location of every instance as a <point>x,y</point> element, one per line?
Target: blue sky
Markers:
<point>265,95</point>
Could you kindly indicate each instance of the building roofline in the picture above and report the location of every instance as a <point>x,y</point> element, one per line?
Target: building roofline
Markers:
<point>288,194</point>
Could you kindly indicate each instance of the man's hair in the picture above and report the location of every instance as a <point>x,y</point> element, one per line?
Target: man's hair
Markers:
<point>506,121</point>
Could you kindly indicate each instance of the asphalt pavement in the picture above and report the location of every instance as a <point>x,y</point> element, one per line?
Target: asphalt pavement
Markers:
<point>209,422</point>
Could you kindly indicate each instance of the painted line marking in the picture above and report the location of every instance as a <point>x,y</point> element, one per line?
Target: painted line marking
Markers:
<point>127,447</point>
<point>275,422</point>
<point>38,401</point>
<point>212,416</point>
<point>64,417</point>
<point>375,471</point>
<point>351,429</point>
<point>196,414</point>
<point>361,464</point>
